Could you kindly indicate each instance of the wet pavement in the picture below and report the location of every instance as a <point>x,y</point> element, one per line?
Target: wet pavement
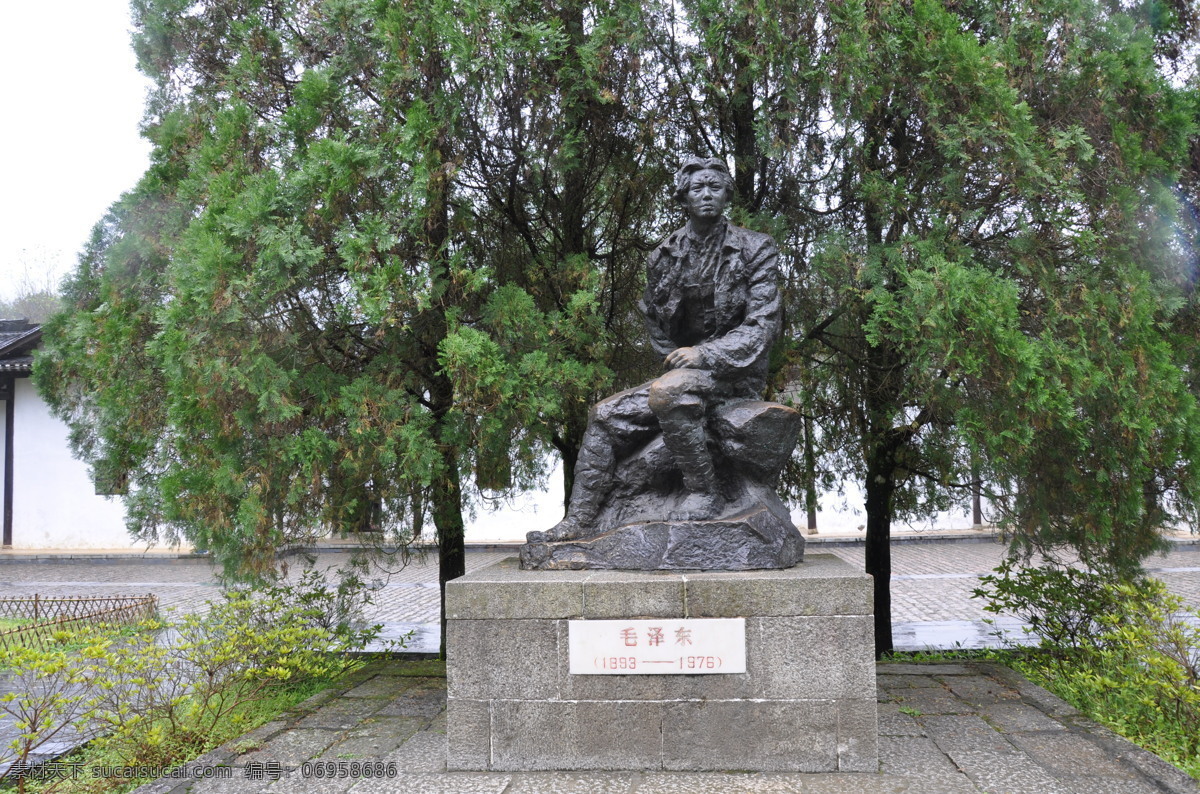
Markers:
<point>932,583</point>
<point>944,729</point>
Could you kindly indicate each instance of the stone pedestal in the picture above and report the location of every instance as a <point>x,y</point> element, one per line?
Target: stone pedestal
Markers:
<point>806,702</point>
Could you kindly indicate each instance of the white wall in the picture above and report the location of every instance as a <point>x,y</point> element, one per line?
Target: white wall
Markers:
<point>55,505</point>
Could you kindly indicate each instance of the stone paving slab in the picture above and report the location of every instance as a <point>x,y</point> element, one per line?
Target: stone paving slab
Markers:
<point>988,731</point>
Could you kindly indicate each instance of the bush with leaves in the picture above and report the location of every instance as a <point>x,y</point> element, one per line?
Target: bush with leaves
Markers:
<point>48,695</point>
<point>1062,606</point>
<point>172,691</point>
<point>1143,676</point>
<point>1127,653</point>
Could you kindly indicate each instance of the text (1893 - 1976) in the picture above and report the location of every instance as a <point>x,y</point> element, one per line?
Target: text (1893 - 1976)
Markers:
<point>689,646</point>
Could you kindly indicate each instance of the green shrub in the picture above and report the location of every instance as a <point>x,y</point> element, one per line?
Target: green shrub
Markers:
<point>48,695</point>
<point>1063,607</point>
<point>171,691</point>
<point>1125,653</point>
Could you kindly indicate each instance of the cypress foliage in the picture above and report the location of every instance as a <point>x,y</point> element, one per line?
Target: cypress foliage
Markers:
<point>387,256</point>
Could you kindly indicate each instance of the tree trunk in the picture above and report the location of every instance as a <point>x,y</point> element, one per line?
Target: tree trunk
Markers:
<point>881,394</point>
<point>879,487</point>
<point>568,446</point>
<point>451,532</point>
<point>745,142</point>
<point>810,474</point>
<point>446,490</point>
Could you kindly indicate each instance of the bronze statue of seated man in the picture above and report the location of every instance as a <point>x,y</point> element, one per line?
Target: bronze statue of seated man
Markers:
<point>692,450</point>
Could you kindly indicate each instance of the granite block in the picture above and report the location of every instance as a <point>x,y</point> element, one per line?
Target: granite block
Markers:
<point>980,690</point>
<point>822,585</point>
<point>914,756</point>
<point>574,736</point>
<point>1018,718</point>
<point>509,659</point>
<point>767,736</point>
<point>893,722</point>
<point>504,592</point>
<point>1063,753</point>
<point>424,752</point>
<point>858,736</point>
<point>814,657</point>
<point>633,594</point>
<point>468,734</point>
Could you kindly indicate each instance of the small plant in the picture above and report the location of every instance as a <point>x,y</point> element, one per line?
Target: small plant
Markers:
<point>1062,606</point>
<point>910,711</point>
<point>1126,653</point>
<point>163,694</point>
<point>48,695</point>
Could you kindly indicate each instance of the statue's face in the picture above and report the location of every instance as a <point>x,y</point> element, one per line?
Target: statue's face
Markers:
<point>706,197</point>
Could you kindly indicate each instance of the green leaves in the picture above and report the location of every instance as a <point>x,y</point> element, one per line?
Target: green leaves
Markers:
<point>999,282</point>
<point>172,689</point>
<point>383,249</point>
<point>1122,650</point>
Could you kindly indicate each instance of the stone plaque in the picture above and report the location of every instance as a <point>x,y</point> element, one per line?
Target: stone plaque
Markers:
<point>701,646</point>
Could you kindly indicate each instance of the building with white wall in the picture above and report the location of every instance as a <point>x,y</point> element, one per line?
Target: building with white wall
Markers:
<point>49,499</point>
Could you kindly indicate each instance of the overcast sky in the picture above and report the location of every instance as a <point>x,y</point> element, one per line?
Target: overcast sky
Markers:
<point>73,100</point>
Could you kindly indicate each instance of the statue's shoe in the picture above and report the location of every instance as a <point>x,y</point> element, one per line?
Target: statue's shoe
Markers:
<point>698,507</point>
<point>567,529</point>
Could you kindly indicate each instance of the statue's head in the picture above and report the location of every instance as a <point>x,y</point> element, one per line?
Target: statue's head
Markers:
<point>694,166</point>
<point>711,173</point>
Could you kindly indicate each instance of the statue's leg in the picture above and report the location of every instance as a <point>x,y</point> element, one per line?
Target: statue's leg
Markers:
<point>678,399</point>
<point>615,425</point>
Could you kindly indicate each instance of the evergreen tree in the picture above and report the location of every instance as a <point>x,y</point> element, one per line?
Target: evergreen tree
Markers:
<point>366,268</point>
<point>386,255</point>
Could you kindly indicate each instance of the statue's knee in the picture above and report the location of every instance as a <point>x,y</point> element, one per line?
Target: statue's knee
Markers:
<point>669,404</point>
<point>625,406</point>
<point>660,399</point>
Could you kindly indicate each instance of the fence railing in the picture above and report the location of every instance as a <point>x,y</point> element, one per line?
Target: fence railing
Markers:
<point>49,615</point>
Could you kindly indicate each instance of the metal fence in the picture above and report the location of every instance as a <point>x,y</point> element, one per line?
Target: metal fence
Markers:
<point>49,615</point>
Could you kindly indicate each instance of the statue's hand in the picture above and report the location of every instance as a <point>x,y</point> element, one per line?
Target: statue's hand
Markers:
<point>685,358</point>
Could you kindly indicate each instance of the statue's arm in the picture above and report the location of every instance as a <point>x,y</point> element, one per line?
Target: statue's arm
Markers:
<point>746,344</point>
<point>659,340</point>
<point>661,343</point>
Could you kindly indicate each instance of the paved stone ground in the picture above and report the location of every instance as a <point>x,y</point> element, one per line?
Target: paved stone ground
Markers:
<point>945,729</point>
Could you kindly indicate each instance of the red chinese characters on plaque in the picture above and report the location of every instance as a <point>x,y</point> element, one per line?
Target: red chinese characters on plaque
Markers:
<point>699,646</point>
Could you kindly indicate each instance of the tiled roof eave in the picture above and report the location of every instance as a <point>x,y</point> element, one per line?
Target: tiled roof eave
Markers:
<point>20,343</point>
<point>18,365</point>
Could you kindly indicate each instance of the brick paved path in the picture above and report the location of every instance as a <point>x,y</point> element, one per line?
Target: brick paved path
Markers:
<point>944,729</point>
<point>931,587</point>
